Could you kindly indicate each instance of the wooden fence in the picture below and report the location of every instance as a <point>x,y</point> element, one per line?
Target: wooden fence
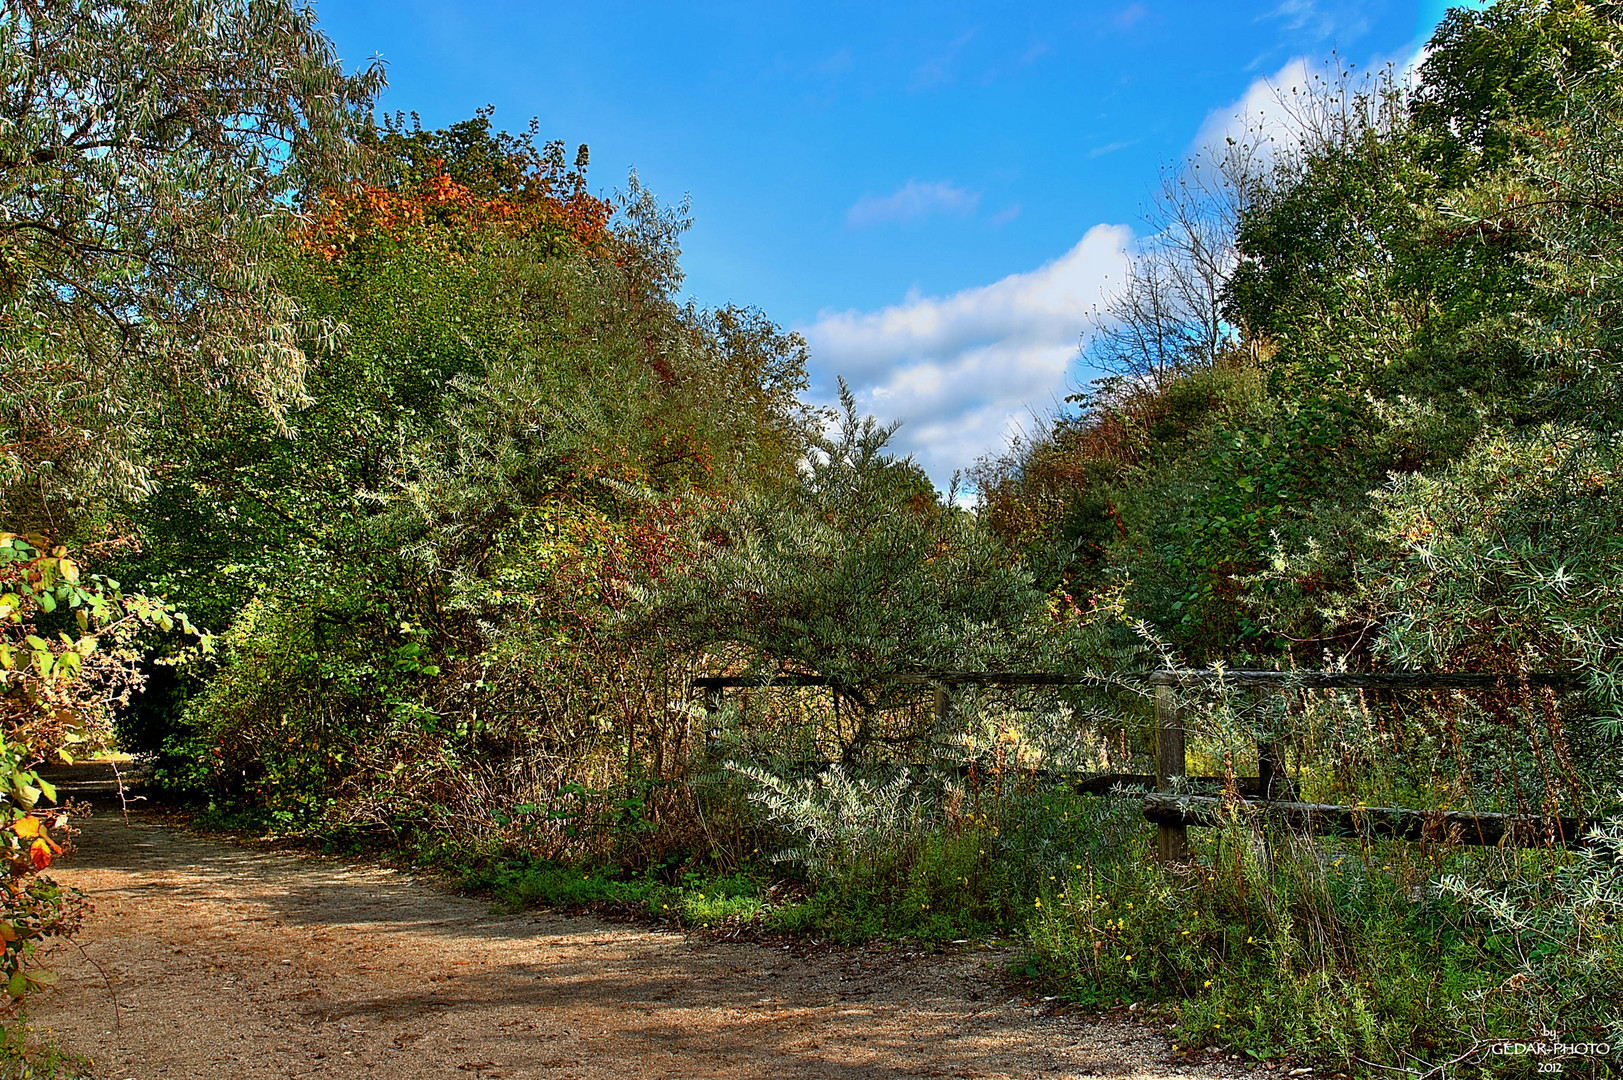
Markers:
<point>1174,813</point>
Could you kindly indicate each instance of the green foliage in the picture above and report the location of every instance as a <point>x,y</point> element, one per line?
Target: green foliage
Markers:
<point>148,153</point>
<point>427,576</point>
<point>952,865</point>
<point>1493,76</point>
<point>841,821</point>
<point>909,853</point>
<point>489,163</point>
<point>1272,945</point>
<point>1424,285</point>
<point>139,210</point>
<point>1406,460</point>
<point>856,571</point>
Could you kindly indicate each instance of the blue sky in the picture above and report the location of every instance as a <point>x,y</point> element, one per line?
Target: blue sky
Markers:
<point>936,194</point>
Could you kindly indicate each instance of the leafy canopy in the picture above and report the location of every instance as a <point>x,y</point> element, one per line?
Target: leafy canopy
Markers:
<point>148,154</point>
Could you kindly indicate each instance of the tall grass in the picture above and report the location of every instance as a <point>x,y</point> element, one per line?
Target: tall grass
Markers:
<point>1362,955</point>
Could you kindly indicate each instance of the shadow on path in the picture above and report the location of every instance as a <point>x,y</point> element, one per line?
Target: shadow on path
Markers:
<point>229,962</point>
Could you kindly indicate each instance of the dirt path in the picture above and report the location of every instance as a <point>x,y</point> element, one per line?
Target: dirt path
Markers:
<point>240,964</point>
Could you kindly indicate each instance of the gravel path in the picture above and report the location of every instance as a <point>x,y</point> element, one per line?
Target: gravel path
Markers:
<point>236,963</point>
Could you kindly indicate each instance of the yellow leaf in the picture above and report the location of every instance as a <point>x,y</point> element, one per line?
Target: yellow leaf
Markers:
<point>27,826</point>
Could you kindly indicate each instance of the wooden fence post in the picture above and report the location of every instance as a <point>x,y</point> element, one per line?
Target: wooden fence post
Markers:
<point>1268,764</point>
<point>943,708</point>
<point>1172,841</point>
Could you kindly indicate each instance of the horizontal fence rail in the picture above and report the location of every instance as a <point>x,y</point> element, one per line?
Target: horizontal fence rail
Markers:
<point>921,678</point>
<point>1362,680</point>
<point>1174,813</point>
<point>1281,680</point>
<point>1364,822</point>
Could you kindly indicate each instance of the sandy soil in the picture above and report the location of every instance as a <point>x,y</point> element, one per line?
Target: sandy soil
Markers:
<point>239,963</point>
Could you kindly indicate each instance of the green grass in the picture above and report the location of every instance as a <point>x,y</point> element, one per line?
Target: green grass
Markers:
<point>971,877</point>
<point>699,901</point>
<point>1338,953</point>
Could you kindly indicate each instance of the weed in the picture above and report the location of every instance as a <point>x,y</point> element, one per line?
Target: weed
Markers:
<point>26,1054</point>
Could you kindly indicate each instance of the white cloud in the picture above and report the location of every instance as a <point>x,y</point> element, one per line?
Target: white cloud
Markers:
<point>1129,16</point>
<point>1110,148</point>
<point>1005,215</point>
<point>1265,112</point>
<point>1321,21</point>
<point>967,371</point>
<point>940,69</point>
<point>1278,110</point>
<point>911,201</point>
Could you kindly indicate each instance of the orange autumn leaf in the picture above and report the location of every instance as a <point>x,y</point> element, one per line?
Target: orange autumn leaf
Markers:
<point>27,827</point>
<point>40,852</point>
<point>550,203</point>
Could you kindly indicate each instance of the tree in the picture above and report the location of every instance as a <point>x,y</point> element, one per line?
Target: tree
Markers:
<point>430,579</point>
<point>150,153</point>
<point>856,572</point>
<point>1167,318</point>
<point>1491,77</point>
<point>1381,281</point>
